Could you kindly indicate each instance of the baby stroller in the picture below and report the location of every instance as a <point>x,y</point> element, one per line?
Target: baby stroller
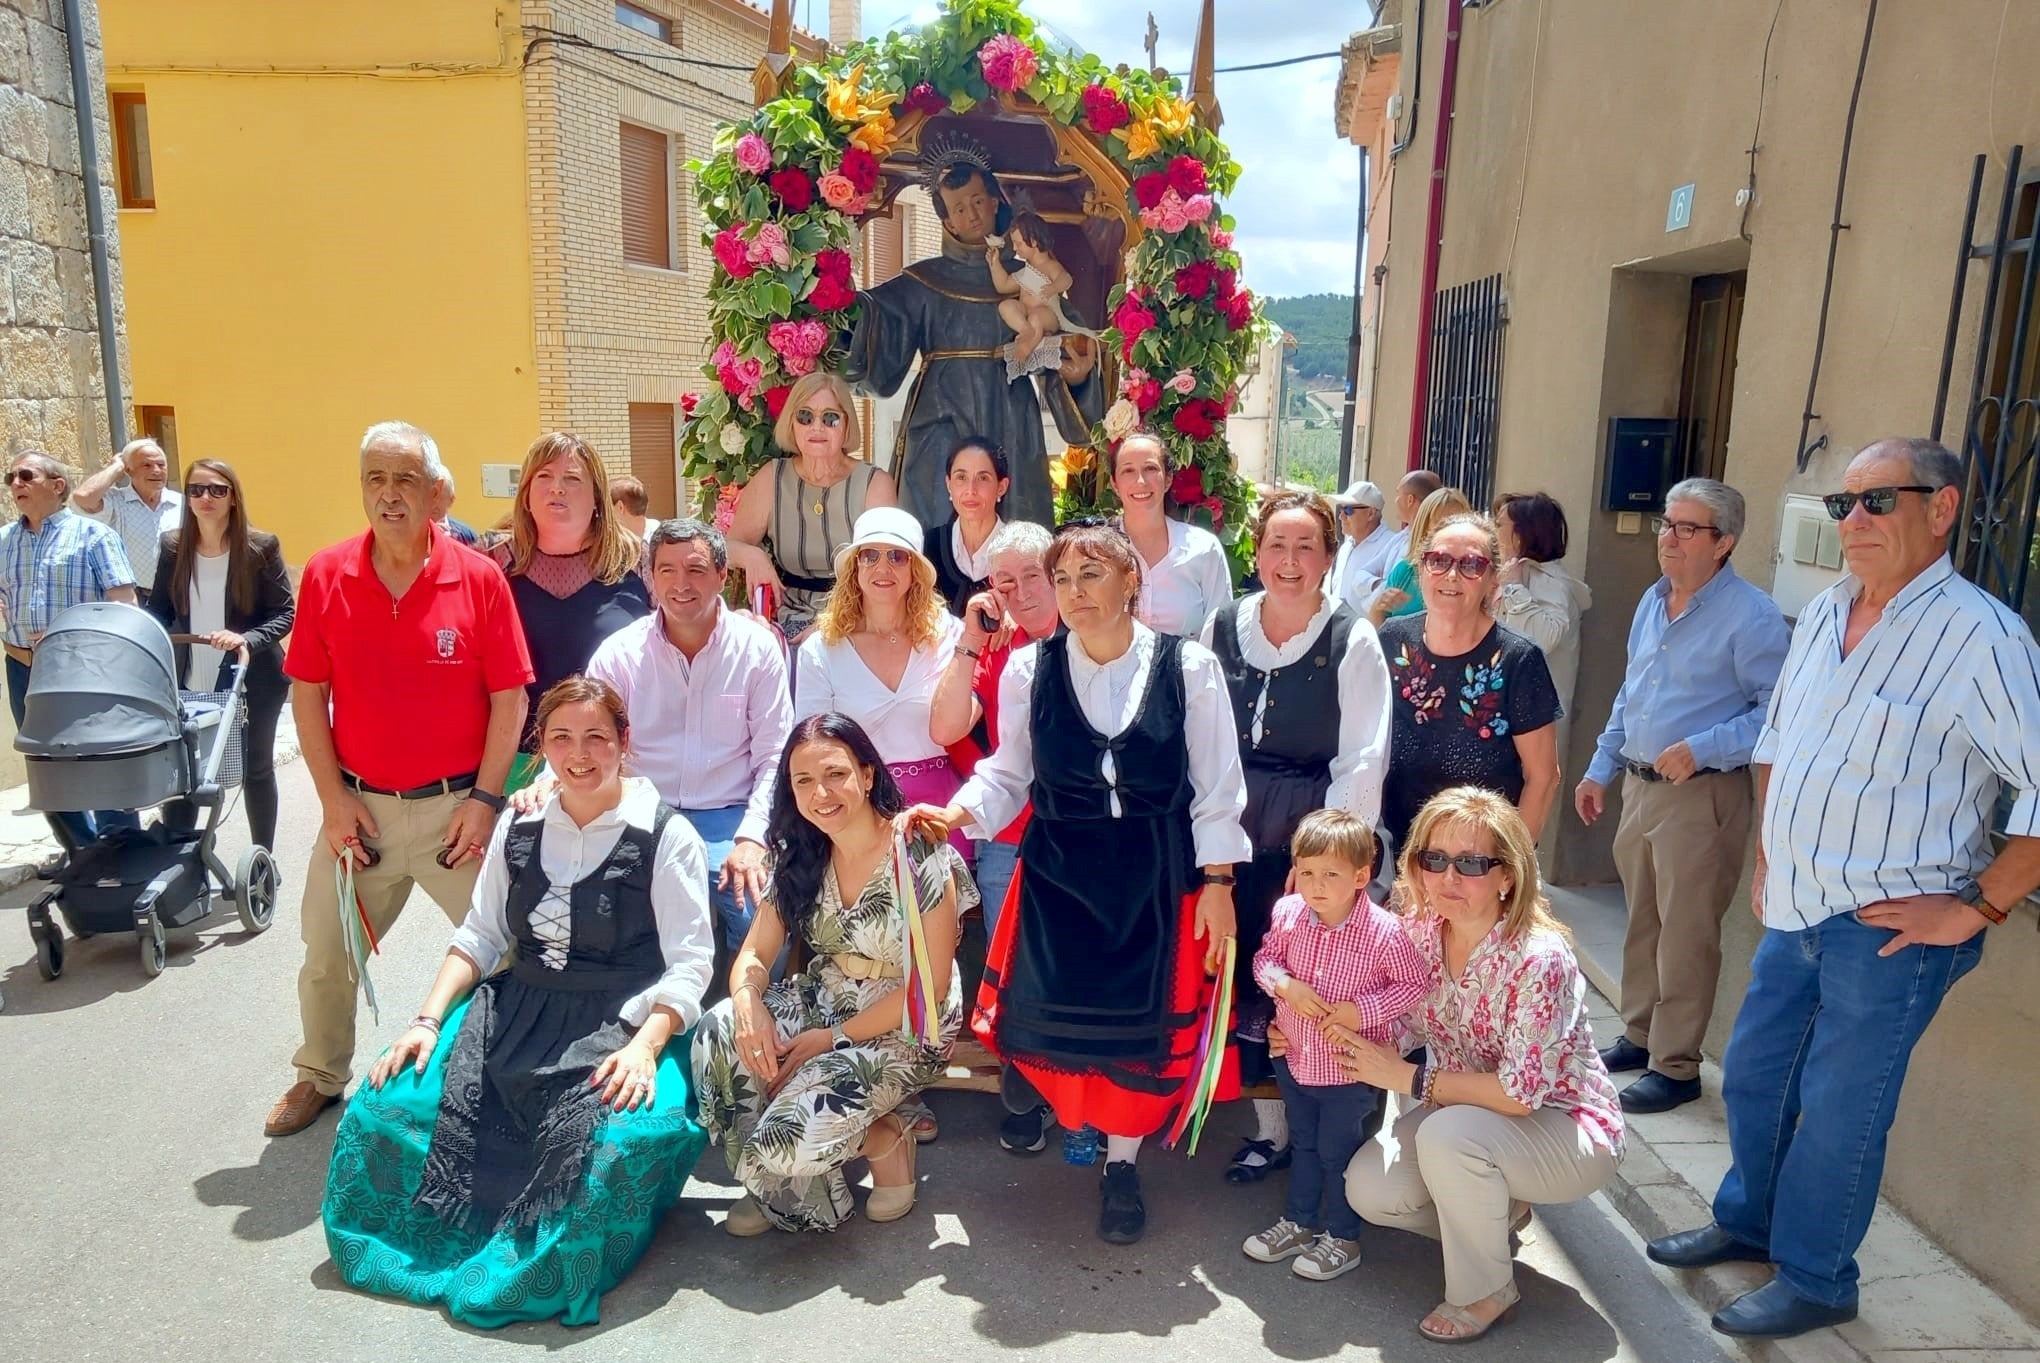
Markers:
<point>107,728</point>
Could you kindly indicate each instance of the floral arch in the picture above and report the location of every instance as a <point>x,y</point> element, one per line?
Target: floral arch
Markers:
<point>786,188</point>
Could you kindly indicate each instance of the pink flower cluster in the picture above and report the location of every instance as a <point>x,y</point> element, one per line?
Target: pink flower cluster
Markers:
<point>740,376</point>
<point>1173,213</point>
<point>752,154</point>
<point>1008,62</point>
<point>798,344</point>
<point>740,258</point>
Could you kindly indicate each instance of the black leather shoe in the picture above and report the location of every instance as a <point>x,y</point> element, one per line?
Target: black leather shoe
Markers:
<point>1624,1055</point>
<point>1703,1248</point>
<point>1659,1093</point>
<point>1775,1311</point>
<point>1122,1217</point>
<point>1026,1133</point>
<point>1257,1159</point>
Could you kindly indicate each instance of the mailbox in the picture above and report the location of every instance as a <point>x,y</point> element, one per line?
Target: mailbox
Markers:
<point>1643,463</point>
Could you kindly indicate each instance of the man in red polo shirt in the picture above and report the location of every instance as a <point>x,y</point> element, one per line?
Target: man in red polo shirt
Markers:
<point>409,671</point>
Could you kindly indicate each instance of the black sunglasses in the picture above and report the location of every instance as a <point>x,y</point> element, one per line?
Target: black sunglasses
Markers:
<point>22,476</point>
<point>1466,863</point>
<point>807,416</point>
<point>220,490</point>
<point>1878,501</point>
<point>1082,523</point>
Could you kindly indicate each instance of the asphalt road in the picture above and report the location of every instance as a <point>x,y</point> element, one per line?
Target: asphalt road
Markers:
<point>146,1217</point>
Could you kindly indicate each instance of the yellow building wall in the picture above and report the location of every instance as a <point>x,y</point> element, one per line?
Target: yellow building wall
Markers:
<point>340,236</point>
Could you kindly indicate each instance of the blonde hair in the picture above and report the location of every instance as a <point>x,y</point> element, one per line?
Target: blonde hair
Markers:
<point>1333,833</point>
<point>1524,907</point>
<point>613,552</point>
<point>804,388</point>
<point>842,614</point>
<point>1431,513</point>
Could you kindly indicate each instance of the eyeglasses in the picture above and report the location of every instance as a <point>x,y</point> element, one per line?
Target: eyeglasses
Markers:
<point>1684,530</point>
<point>1470,566</point>
<point>202,490</point>
<point>1878,501</point>
<point>869,557</point>
<point>22,476</point>
<point>1467,864</point>
<point>807,416</point>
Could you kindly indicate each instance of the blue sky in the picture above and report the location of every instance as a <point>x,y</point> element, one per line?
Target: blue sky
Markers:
<point>1300,186</point>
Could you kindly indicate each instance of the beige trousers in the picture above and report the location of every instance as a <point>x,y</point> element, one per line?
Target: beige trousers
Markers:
<point>1450,1173</point>
<point>408,837</point>
<point>1680,850</point>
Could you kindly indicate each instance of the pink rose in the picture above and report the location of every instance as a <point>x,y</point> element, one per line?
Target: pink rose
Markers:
<point>837,191</point>
<point>1007,62</point>
<point>1198,207</point>
<point>1182,381</point>
<point>1133,376</point>
<point>798,365</point>
<point>814,336</point>
<point>726,353</point>
<point>753,156</point>
<point>780,336</point>
<point>770,246</point>
<point>1174,219</point>
<point>726,505</point>
<point>749,372</point>
<point>1221,238</point>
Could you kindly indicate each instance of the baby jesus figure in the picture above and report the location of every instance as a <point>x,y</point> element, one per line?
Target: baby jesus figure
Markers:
<point>1033,306</point>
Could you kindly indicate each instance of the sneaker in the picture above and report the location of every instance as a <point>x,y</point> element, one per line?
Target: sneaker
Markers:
<point>1026,1133</point>
<point>1122,1216</point>
<point>1327,1258</point>
<point>1283,1240</point>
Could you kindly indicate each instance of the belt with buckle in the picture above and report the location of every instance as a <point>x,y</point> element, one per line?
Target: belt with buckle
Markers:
<point>864,967</point>
<point>451,785</point>
<point>1643,771</point>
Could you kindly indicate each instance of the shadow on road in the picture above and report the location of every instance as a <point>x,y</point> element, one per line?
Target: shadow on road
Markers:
<point>280,1193</point>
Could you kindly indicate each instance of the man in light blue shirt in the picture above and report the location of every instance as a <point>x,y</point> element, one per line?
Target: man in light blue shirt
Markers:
<point>1704,653</point>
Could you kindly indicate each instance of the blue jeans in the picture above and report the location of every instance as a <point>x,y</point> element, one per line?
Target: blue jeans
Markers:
<point>995,863</point>
<point>82,828</point>
<point>1811,1079</point>
<point>718,829</point>
<point>1327,1127</point>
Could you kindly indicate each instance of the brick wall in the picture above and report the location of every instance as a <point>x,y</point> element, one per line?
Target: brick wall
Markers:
<point>51,386</point>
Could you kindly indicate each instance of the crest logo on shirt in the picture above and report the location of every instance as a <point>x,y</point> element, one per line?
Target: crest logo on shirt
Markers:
<point>445,638</point>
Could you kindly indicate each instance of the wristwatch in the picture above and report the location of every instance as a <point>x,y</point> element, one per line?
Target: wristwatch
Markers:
<point>839,1040</point>
<point>495,802</point>
<point>1971,893</point>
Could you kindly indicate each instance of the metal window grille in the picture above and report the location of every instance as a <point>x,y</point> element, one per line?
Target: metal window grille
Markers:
<point>1466,387</point>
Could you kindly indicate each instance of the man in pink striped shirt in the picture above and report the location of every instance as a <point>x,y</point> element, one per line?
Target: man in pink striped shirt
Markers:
<point>1331,956</point>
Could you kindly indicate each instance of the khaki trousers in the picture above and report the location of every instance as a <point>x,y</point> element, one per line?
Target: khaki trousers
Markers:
<point>409,833</point>
<point>1680,850</point>
<point>1450,1173</point>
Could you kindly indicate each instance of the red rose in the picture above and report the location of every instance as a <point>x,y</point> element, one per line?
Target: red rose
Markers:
<point>1224,280</point>
<point>1195,280</point>
<point>1188,485</point>
<point>926,99</point>
<point>1104,110</point>
<point>860,168</point>
<point>1186,176</point>
<point>1146,396</point>
<point>1149,188</point>
<point>1216,506</point>
<point>833,264</point>
<point>1132,318</point>
<point>775,399</point>
<point>1193,419</point>
<point>730,251</point>
<point>794,188</point>
<point>831,293</point>
<point>688,402</point>
<point>1238,310</point>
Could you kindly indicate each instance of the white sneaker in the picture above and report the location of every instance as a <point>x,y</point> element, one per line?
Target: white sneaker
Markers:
<point>1327,1258</point>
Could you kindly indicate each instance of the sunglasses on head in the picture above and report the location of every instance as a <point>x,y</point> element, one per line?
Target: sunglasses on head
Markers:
<point>870,556</point>
<point>1466,863</point>
<point>1878,501</point>
<point>1469,566</point>
<point>807,416</point>
<point>220,490</point>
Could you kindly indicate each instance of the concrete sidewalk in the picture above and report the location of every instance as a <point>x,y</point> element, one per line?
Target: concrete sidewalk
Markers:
<point>1918,1304</point>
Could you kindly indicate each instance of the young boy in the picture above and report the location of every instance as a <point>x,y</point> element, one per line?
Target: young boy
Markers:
<point>1331,955</point>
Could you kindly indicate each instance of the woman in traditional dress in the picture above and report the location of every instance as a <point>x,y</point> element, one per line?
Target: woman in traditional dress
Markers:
<point>799,1078</point>
<point>1184,572</point>
<point>511,1155</point>
<point>576,574</point>
<point>976,478</point>
<point>1310,703</point>
<point>796,511</point>
<point>1095,987</point>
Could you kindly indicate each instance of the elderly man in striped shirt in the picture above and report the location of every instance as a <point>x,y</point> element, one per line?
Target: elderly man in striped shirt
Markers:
<point>1910,701</point>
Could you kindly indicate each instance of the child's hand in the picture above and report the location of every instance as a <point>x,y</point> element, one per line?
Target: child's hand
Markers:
<point>1303,999</point>
<point>1345,1015</point>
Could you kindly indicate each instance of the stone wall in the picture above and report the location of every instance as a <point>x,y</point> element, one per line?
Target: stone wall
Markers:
<point>51,387</point>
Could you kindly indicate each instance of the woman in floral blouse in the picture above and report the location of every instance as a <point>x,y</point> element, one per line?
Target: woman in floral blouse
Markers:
<point>1512,1105</point>
<point>799,1078</point>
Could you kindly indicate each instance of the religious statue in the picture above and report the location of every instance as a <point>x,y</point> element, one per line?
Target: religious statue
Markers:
<point>947,310</point>
<point>1033,306</point>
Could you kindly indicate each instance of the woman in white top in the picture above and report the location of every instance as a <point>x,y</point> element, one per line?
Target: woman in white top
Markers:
<point>1185,575</point>
<point>1535,595</point>
<point>1095,985</point>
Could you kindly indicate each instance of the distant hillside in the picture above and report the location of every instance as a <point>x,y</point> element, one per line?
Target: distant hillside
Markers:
<point>1321,322</point>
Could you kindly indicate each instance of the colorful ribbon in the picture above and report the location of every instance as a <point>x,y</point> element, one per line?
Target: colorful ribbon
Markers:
<point>357,934</point>
<point>1209,1059</point>
<point>921,1018</point>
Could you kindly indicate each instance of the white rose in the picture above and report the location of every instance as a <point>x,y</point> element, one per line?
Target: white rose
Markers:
<point>1121,419</point>
<point>731,438</point>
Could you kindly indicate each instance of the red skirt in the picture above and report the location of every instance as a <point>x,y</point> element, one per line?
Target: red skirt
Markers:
<point>1083,1097</point>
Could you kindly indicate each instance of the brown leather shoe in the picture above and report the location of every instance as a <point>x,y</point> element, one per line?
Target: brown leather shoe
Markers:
<point>299,1107</point>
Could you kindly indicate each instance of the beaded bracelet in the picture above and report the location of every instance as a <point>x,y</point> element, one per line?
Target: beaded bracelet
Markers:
<point>1430,1082</point>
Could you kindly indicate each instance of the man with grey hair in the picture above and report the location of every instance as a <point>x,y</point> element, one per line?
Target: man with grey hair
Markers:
<point>408,669</point>
<point>130,495</point>
<point>1705,647</point>
<point>1365,546</point>
<point>710,709</point>
<point>443,493</point>
<point>1908,706</point>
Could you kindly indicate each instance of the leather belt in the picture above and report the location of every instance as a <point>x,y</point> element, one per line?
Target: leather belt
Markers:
<point>1643,771</point>
<point>929,356</point>
<point>451,785</point>
<point>865,968</point>
<point>24,656</point>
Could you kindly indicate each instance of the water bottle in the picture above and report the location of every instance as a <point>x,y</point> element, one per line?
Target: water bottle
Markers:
<point>1081,1145</point>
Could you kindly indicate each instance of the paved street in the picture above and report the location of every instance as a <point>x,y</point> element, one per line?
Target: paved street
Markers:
<point>147,1217</point>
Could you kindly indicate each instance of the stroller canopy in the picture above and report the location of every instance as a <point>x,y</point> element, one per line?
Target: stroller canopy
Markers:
<point>104,682</point>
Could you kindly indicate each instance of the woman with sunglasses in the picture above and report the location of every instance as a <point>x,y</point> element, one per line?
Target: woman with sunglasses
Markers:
<point>219,577</point>
<point>1399,594</point>
<point>797,510</point>
<point>1511,1105</point>
<point>1185,575</point>
<point>976,478</point>
<point>1474,703</point>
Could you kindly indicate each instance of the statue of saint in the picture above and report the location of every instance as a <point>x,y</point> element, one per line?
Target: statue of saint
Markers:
<point>946,309</point>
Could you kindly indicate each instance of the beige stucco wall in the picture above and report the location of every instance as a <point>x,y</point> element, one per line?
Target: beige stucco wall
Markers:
<point>1575,120</point>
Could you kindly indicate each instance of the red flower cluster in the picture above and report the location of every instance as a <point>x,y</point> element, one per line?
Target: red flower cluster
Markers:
<point>832,288</point>
<point>775,399</point>
<point>1199,418</point>
<point>1187,487</point>
<point>1216,506</point>
<point>1133,320</point>
<point>1104,110</point>
<point>1149,189</point>
<point>729,249</point>
<point>1186,176</point>
<point>1238,310</point>
<point>860,168</point>
<point>1197,279</point>
<point>688,402</point>
<point>926,99</point>
<point>1146,395</point>
<point>795,188</point>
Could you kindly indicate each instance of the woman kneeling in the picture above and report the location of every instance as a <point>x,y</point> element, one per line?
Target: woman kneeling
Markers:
<point>511,1155</point>
<point>1513,1105</point>
<point>801,1077</point>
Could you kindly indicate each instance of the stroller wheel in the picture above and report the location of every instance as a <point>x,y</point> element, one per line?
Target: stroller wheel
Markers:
<point>49,952</point>
<point>154,949</point>
<point>255,889</point>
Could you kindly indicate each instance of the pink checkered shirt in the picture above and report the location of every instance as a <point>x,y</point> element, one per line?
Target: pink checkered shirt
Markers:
<point>1367,961</point>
